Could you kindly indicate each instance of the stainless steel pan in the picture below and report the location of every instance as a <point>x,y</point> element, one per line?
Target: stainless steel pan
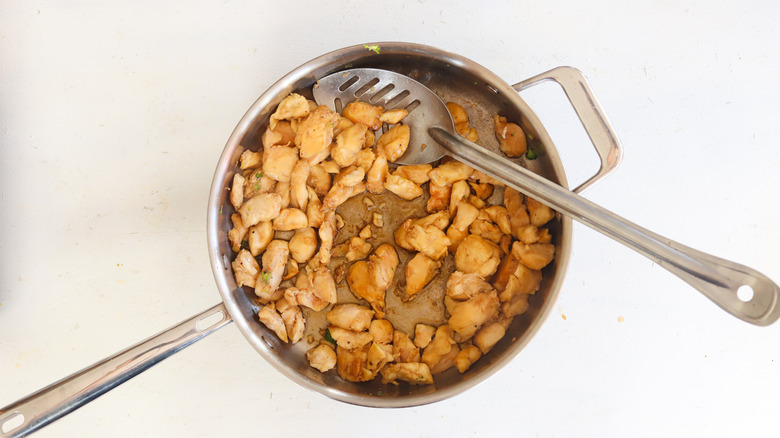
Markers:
<point>454,78</point>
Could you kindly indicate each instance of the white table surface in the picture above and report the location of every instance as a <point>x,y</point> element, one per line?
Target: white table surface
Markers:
<point>113,115</point>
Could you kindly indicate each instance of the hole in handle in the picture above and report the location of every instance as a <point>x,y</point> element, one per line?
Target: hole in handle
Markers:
<point>745,293</point>
<point>210,321</point>
<point>13,422</point>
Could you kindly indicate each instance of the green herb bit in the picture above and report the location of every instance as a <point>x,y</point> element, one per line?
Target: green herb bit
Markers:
<point>259,175</point>
<point>220,209</point>
<point>266,277</point>
<point>530,154</point>
<point>373,48</point>
<point>328,336</point>
<point>257,186</point>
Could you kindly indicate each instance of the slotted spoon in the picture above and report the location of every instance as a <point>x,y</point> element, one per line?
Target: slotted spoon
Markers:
<point>742,291</point>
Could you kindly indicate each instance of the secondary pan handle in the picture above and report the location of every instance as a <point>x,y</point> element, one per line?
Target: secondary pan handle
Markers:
<point>65,396</point>
<point>737,289</point>
<point>589,111</point>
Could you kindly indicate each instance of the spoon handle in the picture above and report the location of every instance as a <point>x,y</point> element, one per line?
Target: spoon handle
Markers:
<point>718,279</point>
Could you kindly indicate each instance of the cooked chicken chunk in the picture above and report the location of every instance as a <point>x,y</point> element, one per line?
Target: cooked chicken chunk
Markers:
<point>350,339</point>
<point>461,120</point>
<point>460,192</point>
<point>423,334</point>
<point>393,143</point>
<point>279,161</point>
<point>237,191</point>
<point>237,234</point>
<point>466,357</point>
<point>361,284</point>
<point>274,261</point>
<point>450,172</point>
<point>271,319</point>
<point>417,173</point>
<point>466,214</point>
<point>440,353</point>
<point>299,194</point>
<point>293,106</point>
<point>440,197</point>
<point>393,116</point>
<point>348,143</point>
<point>315,132</point>
<point>314,213</point>
<point>382,331</point>
<point>250,159</point>
<point>322,357</point>
<point>419,271</point>
<point>327,235</point>
<point>488,336</point>
<point>350,317</point>
<point>259,236</point>
<point>261,208</point>
<point>319,180</point>
<point>462,286</point>
<point>378,356</point>
<point>535,256</point>
<point>402,187</point>
<point>340,193</point>
<point>539,213</point>
<point>293,320</point>
<point>317,295</point>
<point>377,175</point>
<point>358,249</point>
<point>523,281</point>
<point>414,373</point>
<point>404,349</point>
<point>382,264</point>
<point>511,137</point>
<point>245,269</point>
<point>477,255</point>
<point>429,240</point>
<point>468,316</point>
<point>290,219</point>
<point>256,182</point>
<point>350,176</point>
<point>303,244</point>
<point>352,364</point>
<point>365,113</point>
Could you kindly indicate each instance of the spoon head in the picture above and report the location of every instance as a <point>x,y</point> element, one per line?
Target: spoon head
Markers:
<point>391,90</point>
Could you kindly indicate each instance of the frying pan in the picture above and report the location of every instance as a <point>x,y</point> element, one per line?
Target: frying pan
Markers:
<point>453,78</point>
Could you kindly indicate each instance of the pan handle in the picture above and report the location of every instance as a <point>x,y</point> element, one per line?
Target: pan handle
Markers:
<point>65,396</point>
<point>593,119</point>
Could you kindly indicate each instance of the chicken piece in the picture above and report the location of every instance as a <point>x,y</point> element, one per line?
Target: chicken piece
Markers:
<point>348,143</point>
<point>486,229</point>
<point>340,193</point>
<point>360,283</point>
<point>528,234</point>
<point>330,166</point>
<point>449,304</point>
<point>350,176</point>
<point>477,255</point>
<point>466,357</point>
<point>274,261</point>
<point>505,269</point>
<point>382,331</point>
<point>316,295</point>
<point>314,213</point>
<point>376,176</point>
<point>351,364</point>
<point>303,244</point>
<point>282,134</point>
<point>382,265</point>
<point>271,319</point>
<point>290,219</point>
<point>483,190</point>
<point>511,137</point>
<point>349,339</point>
<point>460,192</point>
<point>440,220</point>
<point>523,281</point>
<point>428,240</point>
<point>417,173</point>
<point>259,236</point>
<point>293,320</point>
<point>456,236</point>
<point>539,213</point>
<point>466,214</point>
<point>237,234</point>
<point>350,317</point>
<point>293,106</point>
<point>358,249</point>
<point>500,216</point>
<point>534,256</point>
<point>414,373</point>
<point>245,269</point>
<point>365,113</point>
<point>365,158</point>
<point>401,235</point>
<point>440,353</point>
<point>322,357</point>
<point>283,190</point>
<point>419,271</point>
<point>403,187</point>
<point>476,202</point>
<point>342,125</point>
<point>378,356</point>
<point>319,179</point>
<point>423,334</point>
<point>393,116</point>
<point>461,120</point>
<point>544,236</point>
<point>394,142</point>
<point>468,316</point>
<point>256,182</point>
<point>516,306</point>
<point>327,233</point>
<point>291,269</point>
<point>315,132</point>
<point>237,191</point>
<point>279,161</point>
<point>440,197</point>
<point>377,219</point>
<point>404,349</point>
<point>488,336</point>
<point>261,208</point>
<point>249,159</point>
<point>365,233</point>
<point>449,173</point>
<point>462,286</point>
<point>518,215</point>
<point>299,194</point>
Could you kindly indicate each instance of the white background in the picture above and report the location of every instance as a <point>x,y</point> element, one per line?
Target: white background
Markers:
<point>113,116</point>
